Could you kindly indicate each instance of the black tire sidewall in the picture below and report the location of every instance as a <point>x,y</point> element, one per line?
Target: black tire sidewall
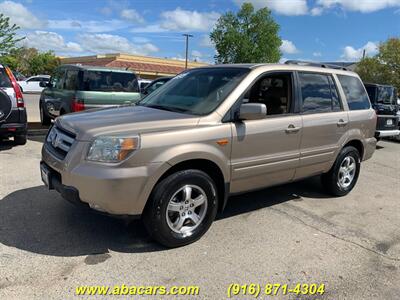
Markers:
<point>347,151</point>
<point>155,215</point>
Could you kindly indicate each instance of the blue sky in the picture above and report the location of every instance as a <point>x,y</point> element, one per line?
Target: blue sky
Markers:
<point>326,30</point>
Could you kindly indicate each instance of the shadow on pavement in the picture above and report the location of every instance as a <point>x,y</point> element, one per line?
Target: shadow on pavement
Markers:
<point>40,221</point>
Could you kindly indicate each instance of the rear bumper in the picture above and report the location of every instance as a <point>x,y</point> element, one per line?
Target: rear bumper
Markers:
<point>15,124</point>
<point>387,133</point>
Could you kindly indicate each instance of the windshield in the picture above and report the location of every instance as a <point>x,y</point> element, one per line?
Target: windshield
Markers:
<point>106,81</point>
<point>386,95</point>
<point>196,92</point>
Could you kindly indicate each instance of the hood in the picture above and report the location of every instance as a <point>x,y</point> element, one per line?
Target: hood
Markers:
<point>123,120</point>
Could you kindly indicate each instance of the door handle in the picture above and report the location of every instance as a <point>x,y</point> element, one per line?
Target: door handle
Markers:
<point>292,129</point>
<point>341,123</point>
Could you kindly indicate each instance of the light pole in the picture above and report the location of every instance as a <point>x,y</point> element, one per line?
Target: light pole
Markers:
<point>187,47</point>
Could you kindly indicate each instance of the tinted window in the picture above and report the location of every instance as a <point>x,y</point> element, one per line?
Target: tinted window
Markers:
<point>104,81</point>
<point>355,93</point>
<point>4,80</point>
<point>57,79</point>
<point>318,93</point>
<point>386,95</point>
<point>37,79</point>
<point>71,80</point>
<point>371,90</point>
<point>197,92</point>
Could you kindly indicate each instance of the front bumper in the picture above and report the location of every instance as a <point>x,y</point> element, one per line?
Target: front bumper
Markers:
<point>387,133</point>
<point>107,188</point>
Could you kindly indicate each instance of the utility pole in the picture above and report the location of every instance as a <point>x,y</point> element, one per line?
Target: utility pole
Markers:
<point>187,47</point>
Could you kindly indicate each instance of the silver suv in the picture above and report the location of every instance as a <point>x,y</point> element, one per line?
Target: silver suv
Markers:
<point>208,133</point>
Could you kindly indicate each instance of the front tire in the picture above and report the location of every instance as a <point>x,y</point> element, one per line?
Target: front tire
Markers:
<point>343,175</point>
<point>181,208</point>
<point>44,119</point>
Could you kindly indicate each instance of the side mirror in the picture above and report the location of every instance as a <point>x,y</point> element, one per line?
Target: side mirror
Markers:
<point>44,84</point>
<point>252,111</point>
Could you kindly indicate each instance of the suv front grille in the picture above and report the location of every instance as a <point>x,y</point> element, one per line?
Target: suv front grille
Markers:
<point>59,142</point>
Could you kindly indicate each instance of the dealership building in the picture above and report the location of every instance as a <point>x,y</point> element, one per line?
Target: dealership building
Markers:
<point>143,66</point>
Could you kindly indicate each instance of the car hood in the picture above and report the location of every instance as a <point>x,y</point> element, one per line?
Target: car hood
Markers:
<point>123,121</point>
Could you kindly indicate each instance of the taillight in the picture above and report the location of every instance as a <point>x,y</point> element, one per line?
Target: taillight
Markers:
<point>17,90</point>
<point>77,105</point>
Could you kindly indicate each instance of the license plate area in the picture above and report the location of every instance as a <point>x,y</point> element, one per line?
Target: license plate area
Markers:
<point>389,122</point>
<point>45,173</point>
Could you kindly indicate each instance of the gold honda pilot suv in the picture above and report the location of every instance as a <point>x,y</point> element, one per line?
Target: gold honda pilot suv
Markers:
<point>178,154</point>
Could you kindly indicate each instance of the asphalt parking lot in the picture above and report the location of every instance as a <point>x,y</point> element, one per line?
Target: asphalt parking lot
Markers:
<point>288,234</point>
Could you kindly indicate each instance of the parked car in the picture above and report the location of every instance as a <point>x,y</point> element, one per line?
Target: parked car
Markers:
<point>384,101</point>
<point>143,83</point>
<point>13,120</point>
<point>155,84</point>
<point>211,132</point>
<point>32,84</point>
<point>75,88</point>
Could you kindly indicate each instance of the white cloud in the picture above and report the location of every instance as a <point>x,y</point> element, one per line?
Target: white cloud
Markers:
<point>196,54</point>
<point>352,54</point>
<point>186,20</point>
<point>87,26</point>
<point>181,20</point>
<point>317,54</point>
<point>364,6</point>
<point>108,43</point>
<point>316,11</point>
<point>287,7</point>
<point>205,41</point>
<point>45,40</point>
<point>131,15</point>
<point>288,47</point>
<point>20,15</point>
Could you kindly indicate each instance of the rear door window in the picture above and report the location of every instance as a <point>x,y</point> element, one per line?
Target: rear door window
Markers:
<point>318,93</point>
<point>356,96</point>
<point>71,80</point>
<point>5,82</point>
<point>103,81</point>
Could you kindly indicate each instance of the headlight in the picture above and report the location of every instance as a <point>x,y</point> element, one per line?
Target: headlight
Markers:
<point>112,149</point>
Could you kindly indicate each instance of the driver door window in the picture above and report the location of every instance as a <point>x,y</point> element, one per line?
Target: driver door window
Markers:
<point>273,90</point>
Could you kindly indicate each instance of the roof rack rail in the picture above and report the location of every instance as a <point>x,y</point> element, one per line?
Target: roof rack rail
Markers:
<point>314,64</point>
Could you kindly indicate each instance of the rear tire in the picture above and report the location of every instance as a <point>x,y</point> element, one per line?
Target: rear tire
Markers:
<point>343,175</point>
<point>181,208</point>
<point>44,119</point>
<point>20,139</point>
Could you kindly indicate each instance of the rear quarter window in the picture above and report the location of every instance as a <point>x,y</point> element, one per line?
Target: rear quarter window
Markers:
<point>5,82</point>
<point>356,96</point>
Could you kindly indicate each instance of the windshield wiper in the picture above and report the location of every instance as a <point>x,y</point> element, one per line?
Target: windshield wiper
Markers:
<point>167,108</point>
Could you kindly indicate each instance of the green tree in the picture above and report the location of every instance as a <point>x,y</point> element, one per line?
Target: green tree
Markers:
<point>43,63</point>
<point>8,39</point>
<point>384,67</point>
<point>247,37</point>
<point>30,61</point>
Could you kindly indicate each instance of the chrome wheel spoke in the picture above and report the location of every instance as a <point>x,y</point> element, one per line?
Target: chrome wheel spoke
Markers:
<point>187,193</point>
<point>346,172</point>
<point>178,224</point>
<point>195,218</point>
<point>174,206</point>
<point>199,201</point>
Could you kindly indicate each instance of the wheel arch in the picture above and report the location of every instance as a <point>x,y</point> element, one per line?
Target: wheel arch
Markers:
<point>356,144</point>
<point>209,167</point>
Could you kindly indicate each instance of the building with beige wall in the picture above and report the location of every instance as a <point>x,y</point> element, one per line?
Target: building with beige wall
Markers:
<point>143,66</point>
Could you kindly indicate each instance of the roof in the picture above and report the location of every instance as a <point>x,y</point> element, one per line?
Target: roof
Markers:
<point>97,68</point>
<point>288,67</point>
